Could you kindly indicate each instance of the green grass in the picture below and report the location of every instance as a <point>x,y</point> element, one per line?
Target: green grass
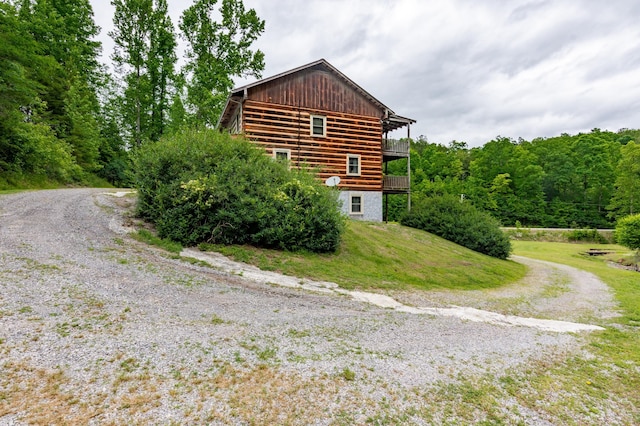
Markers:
<point>611,377</point>
<point>10,182</point>
<point>147,237</point>
<point>386,256</point>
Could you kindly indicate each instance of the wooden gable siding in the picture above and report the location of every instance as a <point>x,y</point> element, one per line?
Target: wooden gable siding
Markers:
<point>315,89</point>
<point>280,126</point>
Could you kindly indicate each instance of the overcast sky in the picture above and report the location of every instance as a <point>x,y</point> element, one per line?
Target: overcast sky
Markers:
<point>467,70</point>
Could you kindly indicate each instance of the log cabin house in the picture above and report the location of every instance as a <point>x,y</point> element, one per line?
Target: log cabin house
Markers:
<point>314,116</point>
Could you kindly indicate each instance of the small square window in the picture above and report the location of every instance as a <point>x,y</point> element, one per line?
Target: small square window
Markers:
<point>282,154</point>
<point>355,206</point>
<point>353,165</point>
<point>318,125</point>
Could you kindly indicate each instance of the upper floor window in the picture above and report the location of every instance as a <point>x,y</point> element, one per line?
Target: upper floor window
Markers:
<point>353,165</point>
<point>318,125</point>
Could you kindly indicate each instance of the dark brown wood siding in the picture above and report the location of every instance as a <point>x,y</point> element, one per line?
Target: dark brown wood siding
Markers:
<point>315,89</point>
<point>285,127</point>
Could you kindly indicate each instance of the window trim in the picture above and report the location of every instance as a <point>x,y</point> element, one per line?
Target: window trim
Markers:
<point>324,126</point>
<point>356,156</point>
<point>351,197</point>
<point>277,151</point>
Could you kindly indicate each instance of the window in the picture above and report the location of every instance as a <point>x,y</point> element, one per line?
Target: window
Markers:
<point>355,204</point>
<point>353,165</point>
<point>282,154</point>
<point>318,125</point>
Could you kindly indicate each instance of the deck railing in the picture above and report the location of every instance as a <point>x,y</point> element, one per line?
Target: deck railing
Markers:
<point>395,147</point>
<point>395,183</point>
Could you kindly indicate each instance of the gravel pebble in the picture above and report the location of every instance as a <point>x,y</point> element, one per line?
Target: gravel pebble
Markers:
<point>119,318</point>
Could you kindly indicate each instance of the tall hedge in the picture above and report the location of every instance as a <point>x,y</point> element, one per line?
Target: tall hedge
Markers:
<point>461,223</point>
<point>205,186</point>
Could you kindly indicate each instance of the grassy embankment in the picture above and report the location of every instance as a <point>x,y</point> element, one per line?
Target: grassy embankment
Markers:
<point>576,389</point>
<point>16,183</point>
<point>379,256</point>
<point>589,387</point>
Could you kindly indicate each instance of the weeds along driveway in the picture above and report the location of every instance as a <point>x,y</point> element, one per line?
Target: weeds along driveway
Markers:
<point>98,328</point>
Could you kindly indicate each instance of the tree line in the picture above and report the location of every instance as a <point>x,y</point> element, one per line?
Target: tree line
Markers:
<point>66,118</point>
<point>584,180</point>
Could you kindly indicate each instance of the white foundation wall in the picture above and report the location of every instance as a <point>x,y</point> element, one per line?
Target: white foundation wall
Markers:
<point>371,205</point>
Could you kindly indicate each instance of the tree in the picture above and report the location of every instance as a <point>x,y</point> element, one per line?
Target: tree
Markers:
<point>628,232</point>
<point>144,54</point>
<point>69,74</point>
<point>18,89</point>
<point>84,128</point>
<point>592,157</point>
<point>505,179</point>
<point>216,52</point>
<point>29,74</point>
<point>161,65</point>
<point>626,198</point>
<point>131,34</point>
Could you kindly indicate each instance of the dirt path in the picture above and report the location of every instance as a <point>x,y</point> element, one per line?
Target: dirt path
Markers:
<point>548,291</point>
<point>97,328</point>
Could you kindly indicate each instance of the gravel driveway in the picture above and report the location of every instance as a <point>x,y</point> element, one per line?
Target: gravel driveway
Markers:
<point>98,328</point>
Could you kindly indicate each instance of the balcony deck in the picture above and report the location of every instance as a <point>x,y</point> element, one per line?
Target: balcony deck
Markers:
<point>395,184</point>
<point>394,149</point>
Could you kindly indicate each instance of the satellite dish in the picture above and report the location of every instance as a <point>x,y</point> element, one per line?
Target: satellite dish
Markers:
<point>332,181</point>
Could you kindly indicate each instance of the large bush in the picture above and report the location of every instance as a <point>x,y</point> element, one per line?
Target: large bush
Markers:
<point>461,223</point>
<point>204,186</point>
<point>628,232</point>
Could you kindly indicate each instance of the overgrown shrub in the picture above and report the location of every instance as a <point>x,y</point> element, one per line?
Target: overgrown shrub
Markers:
<point>461,223</point>
<point>586,235</point>
<point>204,186</point>
<point>628,232</point>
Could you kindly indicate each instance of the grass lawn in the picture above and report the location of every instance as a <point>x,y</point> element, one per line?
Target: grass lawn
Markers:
<point>386,256</point>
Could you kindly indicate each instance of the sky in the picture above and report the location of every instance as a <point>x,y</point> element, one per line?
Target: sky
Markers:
<point>465,70</point>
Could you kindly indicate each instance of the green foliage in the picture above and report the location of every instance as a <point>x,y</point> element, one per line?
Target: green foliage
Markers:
<point>584,180</point>
<point>461,223</point>
<point>217,51</point>
<point>133,23</point>
<point>161,65</point>
<point>628,232</point>
<point>50,121</point>
<point>561,235</point>
<point>586,235</point>
<point>204,186</point>
<point>626,199</point>
<point>508,181</point>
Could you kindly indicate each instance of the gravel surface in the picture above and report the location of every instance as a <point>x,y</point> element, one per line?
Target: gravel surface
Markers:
<point>97,328</point>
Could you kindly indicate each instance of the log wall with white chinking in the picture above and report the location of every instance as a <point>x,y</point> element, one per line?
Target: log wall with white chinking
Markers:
<point>275,126</point>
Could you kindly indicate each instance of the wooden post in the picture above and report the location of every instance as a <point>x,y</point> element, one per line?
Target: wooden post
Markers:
<point>409,168</point>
